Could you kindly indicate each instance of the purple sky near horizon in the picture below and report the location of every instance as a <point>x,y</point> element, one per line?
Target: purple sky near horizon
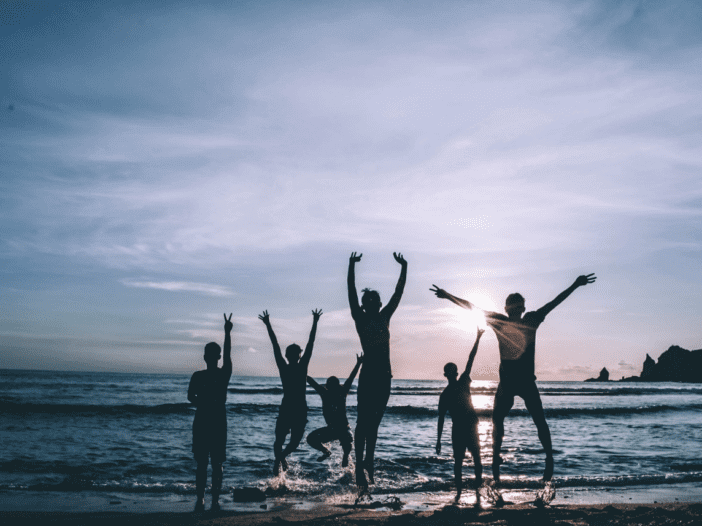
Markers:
<point>164,162</point>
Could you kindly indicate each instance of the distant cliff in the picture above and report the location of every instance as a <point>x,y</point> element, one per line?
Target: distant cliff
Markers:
<point>674,365</point>
<point>603,377</point>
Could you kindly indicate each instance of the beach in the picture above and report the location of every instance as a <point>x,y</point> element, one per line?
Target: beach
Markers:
<point>681,514</point>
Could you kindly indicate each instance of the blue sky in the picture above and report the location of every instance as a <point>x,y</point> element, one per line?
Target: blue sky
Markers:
<point>162,163</point>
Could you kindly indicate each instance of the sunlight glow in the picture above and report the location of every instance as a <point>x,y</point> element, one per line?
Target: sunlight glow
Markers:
<point>470,319</point>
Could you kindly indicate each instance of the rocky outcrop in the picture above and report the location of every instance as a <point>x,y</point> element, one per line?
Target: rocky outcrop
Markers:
<point>674,365</point>
<point>603,377</point>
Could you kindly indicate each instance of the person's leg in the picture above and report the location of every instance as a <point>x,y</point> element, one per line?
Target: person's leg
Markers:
<point>504,401</point>
<point>200,483</point>
<point>459,453</point>
<point>346,440</point>
<point>360,438</point>
<point>217,475</point>
<point>297,431</point>
<point>532,401</point>
<point>474,448</point>
<point>377,413</point>
<point>317,438</point>
<point>281,432</point>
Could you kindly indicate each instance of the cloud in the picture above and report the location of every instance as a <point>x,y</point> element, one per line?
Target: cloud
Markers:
<point>181,286</point>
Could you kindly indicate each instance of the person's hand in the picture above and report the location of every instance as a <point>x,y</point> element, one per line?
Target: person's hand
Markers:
<point>264,317</point>
<point>398,257</point>
<point>228,325</point>
<point>359,359</point>
<point>316,314</point>
<point>440,293</point>
<point>355,258</point>
<point>438,447</point>
<point>584,280</point>
<point>480,332</point>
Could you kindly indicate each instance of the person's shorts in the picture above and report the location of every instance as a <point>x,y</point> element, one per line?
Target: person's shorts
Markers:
<point>210,440</point>
<point>464,435</point>
<point>291,420</point>
<point>330,434</point>
<point>508,388</point>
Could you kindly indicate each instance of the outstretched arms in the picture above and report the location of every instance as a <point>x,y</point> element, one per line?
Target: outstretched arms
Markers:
<point>474,351</point>
<point>227,362</point>
<point>399,288</point>
<point>581,281</point>
<point>349,381</point>
<point>310,343</point>
<point>351,279</point>
<point>279,361</point>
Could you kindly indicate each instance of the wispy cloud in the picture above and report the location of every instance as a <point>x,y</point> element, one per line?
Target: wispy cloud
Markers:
<point>181,286</point>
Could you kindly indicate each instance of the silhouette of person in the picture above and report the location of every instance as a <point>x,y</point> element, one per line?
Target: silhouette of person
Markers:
<point>516,337</point>
<point>334,410</point>
<point>373,327</point>
<point>208,392</point>
<point>292,416</point>
<point>464,430</point>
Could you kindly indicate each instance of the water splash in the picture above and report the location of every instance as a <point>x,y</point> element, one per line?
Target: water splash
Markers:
<point>489,492</point>
<point>545,496</point>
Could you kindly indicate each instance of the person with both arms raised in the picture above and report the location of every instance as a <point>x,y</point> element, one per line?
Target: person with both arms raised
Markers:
<point>333,396</point>
<point>292,416</point>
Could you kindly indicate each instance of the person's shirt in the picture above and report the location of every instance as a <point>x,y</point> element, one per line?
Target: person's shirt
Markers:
<point>209,390</point>
<point>374,333</point>
<point>455,399</point>
<point>334,407</point>
<point>517,342</point>
<point>294,380</point>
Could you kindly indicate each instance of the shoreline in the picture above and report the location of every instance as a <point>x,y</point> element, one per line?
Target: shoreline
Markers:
<point>683,514</point>
<point>91,502</point>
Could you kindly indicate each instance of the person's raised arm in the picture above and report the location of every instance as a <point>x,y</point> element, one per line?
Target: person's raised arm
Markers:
<point>349,381</point>
<point>441,293</point>
<point>580,282</point>
<point>351,281</point>
<point>310,343</point>
<point>315,385</point>
<point>227,361</point>
<point>399,288</point>
<point>279,360</point>
<point>474,351</point>
<point>440,428</point>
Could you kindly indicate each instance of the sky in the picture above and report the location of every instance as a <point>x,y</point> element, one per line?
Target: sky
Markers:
<point>162,163</point>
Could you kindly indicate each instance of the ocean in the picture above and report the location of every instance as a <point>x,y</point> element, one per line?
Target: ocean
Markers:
<point>127,438</point>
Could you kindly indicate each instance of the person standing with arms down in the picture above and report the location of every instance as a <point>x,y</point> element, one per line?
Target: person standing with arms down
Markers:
<point>208,392</point>
<point>292,416</point>
<point>373,327</point>
<point>464,430</point>
<point>516,336</point>
<point>333,396</point>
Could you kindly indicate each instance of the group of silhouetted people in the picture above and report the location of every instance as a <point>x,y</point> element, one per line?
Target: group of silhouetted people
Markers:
<point>516,336</point>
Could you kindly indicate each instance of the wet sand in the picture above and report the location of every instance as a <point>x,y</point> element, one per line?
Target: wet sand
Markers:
<point>580,515</point>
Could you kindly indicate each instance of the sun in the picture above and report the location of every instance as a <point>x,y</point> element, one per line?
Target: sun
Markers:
<point>470,319</point>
